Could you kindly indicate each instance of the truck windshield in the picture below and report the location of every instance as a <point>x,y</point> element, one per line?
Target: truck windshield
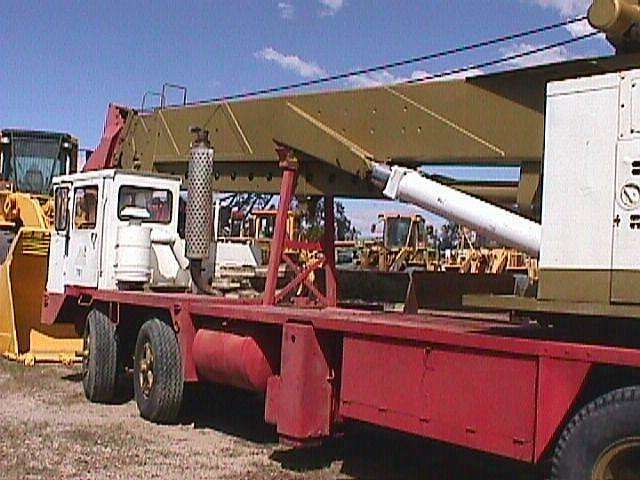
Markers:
<point>157,202</point>
<point>33,160</point>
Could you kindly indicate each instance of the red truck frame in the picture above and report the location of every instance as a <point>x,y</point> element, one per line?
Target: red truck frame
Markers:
<point>497,387</point>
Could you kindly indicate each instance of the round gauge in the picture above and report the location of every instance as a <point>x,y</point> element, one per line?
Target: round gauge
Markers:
<point>630,196</point>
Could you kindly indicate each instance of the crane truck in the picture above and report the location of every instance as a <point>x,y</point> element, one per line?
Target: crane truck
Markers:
<point>563,387</point>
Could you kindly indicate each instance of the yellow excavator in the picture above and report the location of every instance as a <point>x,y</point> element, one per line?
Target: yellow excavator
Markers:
<point>28,162</point>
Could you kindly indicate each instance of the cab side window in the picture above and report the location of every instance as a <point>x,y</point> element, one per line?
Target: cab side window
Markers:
<point>61,209</point>
<point>85,208</point>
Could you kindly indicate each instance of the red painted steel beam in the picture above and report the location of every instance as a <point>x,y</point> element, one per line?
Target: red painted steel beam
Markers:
<point>302,276</point>
<point>287,190</point>
<point>444,329</point>
<point>102,157</point>
<point>301,403</point>
<point>560,382</point>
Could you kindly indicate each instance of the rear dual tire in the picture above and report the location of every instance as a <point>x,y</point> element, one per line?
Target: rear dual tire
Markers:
<point>602,442</point>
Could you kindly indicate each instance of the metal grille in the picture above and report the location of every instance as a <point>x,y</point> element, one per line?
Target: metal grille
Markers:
<point>35,243</point>
<point>199,219</point>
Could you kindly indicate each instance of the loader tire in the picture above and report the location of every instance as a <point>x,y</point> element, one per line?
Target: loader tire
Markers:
<point>158,380</point>
<point>100,359</point>
<point>602,441</point>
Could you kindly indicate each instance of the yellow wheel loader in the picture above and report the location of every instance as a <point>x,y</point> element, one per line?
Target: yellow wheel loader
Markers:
<point>28,162</point>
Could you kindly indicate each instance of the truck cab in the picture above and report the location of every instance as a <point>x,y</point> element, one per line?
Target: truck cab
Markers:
<point>116,230</point>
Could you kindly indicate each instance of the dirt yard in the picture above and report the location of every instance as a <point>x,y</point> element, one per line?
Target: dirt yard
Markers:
<point>49,431</point>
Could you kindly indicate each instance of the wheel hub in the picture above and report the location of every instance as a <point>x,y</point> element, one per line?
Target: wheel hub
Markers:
<point>621,461</point>
<point>146,377</point>
<point>86,352</point>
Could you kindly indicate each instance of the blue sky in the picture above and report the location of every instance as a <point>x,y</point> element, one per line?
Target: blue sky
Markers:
<point>64,61</point>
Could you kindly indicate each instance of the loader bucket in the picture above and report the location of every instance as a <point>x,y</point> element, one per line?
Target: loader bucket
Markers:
<point>22,282</point>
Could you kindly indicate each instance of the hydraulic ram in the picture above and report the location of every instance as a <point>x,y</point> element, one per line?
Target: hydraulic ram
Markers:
<point>410,186</point>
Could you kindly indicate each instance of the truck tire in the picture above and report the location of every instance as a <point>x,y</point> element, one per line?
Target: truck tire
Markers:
<point>100,359</point>
<point>158,380</point>
<point>602,441</point>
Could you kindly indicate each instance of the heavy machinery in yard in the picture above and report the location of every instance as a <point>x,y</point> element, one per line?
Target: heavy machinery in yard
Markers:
<point>28,162</point>
<point>405,243</point>
<point>562,387</point>
<point>470,258</point>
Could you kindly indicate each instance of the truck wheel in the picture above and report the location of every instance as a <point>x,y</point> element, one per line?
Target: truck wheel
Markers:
<point>100,359</point>
<point>157,372</point>
<point>602,442</point>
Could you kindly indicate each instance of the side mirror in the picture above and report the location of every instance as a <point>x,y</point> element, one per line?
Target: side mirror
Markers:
<point>373,228</point>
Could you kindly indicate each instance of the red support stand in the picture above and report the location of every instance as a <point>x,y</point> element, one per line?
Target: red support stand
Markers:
<point>325,250</point>
<point>287,188</point>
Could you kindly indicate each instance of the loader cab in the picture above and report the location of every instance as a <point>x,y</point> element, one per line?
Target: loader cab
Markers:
<point>402,231</point>
<point>90,210</point>
<point>29,160</point>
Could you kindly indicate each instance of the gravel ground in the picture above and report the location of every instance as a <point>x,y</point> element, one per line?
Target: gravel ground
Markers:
<point>49,431</point>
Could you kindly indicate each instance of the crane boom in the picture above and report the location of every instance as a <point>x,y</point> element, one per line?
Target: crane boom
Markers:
<point>338,136</point>
<point>495,120</point>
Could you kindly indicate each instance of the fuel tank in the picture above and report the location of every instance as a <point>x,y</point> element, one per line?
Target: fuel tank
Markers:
<point>243,361</point>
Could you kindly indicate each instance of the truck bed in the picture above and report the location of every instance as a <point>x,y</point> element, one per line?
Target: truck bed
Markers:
<point>464,329</point>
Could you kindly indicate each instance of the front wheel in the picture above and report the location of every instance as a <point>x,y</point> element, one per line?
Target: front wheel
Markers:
<point>157,371</point>
<point>602,442</point>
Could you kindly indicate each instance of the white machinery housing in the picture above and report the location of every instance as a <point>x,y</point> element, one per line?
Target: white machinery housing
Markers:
<point>591,190</point>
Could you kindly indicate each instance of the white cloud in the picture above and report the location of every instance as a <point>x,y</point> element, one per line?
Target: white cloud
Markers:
<point>581,28</point>
<point>567,9</point>
<point>287,10</point>
<point>472,72</point>
<point>292,63</point>
<point>424,76</point>
<point>558,54</point>
<point>374,79</point>
<point>384,77</point>
<point>330,7</point>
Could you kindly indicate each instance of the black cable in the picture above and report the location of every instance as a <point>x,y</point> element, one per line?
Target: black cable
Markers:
<point>391,65</point>
<point>500,60</point>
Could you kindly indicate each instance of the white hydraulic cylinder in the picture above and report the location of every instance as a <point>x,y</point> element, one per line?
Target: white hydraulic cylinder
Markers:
<point>506,227</point>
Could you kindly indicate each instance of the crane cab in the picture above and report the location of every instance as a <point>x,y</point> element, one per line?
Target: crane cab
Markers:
<point>116,230</point>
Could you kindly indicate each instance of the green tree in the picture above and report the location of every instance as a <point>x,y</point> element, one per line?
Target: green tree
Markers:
<point>313,220</point>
